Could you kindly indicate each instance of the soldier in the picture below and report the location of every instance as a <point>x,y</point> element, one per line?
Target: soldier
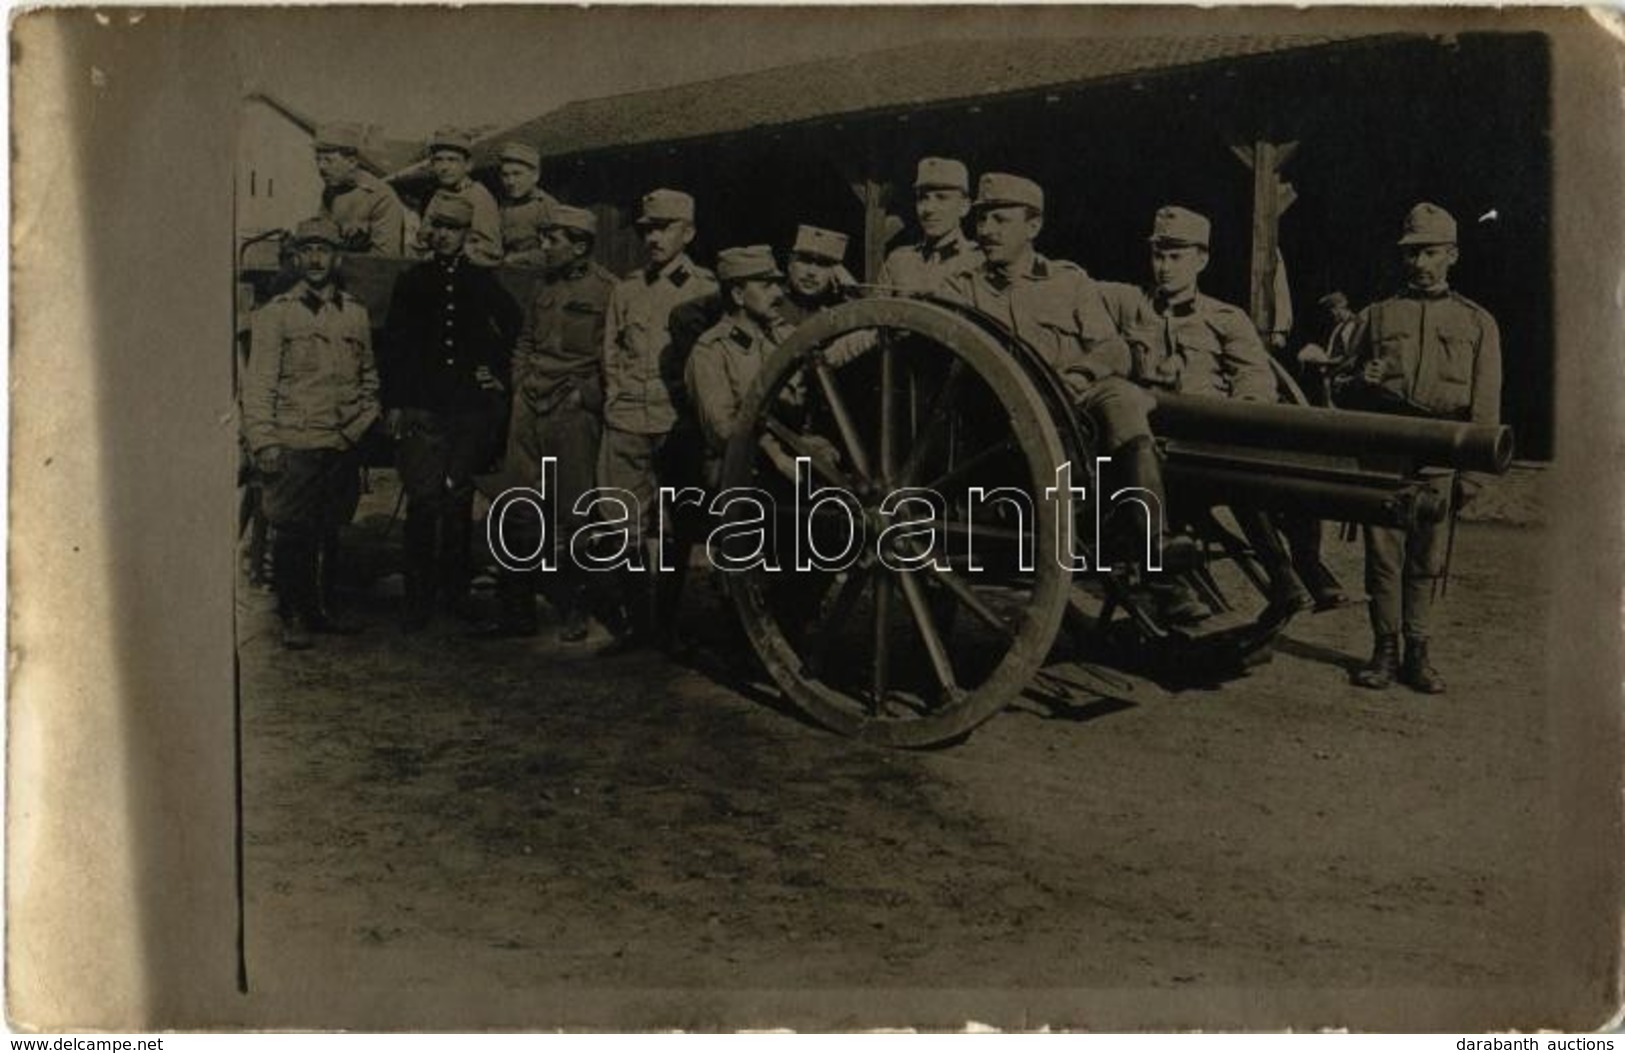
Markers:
<point>640,372</point>
<point>366,211</point>
<point>815,275</point>
<point>941,202</point>
<point>557,405</point>
<point>524,205</point>
<point>309,395</point>
<point>1187,342</point>
<point>447,342</point>
<point>450,152</point>
<point>1428,351</point>
<point>1317,361</point>
<point>728,356</point>
<point>1058,309</point>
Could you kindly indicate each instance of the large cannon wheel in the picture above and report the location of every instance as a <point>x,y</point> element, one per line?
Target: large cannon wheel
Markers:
<point>905,657</point>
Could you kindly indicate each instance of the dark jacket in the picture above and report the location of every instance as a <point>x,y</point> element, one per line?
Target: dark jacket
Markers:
<point>444,322</point>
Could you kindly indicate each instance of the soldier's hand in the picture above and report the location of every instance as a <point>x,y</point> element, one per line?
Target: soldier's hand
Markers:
<point>1373,372</point>
<point>268,461</point>
<point>487,380</point>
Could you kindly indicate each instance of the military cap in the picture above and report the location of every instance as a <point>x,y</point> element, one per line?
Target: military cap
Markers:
<point>523,153</point>
<point>317,228</point>
<point>1428,224</point>
<point>449,138</point>
<point>1174,226</point>
<point>339,135</point>
<point>941,173</point>
<point>666,206</point>
<point>999,189</point>
<point>749,261</point>
<point>447,210</point>
<point>569,217</point>
<point>820,243</point>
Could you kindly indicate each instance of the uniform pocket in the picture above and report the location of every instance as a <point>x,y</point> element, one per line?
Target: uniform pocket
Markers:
<point>1456,353</point>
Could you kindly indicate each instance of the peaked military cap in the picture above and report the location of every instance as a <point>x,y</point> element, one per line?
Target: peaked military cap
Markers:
<point>317,229</point>
<point>523,153</point>
<point>1428,224</point>
<point>748,261</point>
<point>1001,189</point>
<point>449,138</point>
<point>824,244</point>
<point>447,210</point>
<point>1174,226</point>
<point>569,217</point>
<point>942,173</point>
<point>666,206</point>
<point>339,135</point>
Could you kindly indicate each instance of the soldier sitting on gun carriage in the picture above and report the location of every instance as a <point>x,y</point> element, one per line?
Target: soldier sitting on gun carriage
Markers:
<point>1189,343</point>
<point>941,202</point>
<point>1055,306</point>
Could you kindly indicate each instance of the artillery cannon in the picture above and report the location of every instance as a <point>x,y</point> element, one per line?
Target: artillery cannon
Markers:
<point>953,614</point>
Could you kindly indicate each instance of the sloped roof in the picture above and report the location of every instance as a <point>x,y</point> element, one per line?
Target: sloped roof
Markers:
<point>924,75</point>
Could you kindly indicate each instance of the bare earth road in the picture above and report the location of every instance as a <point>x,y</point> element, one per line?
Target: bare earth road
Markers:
<point>429,819</point>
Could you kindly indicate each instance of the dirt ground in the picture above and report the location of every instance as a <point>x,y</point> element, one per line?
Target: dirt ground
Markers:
<point>424,814</point>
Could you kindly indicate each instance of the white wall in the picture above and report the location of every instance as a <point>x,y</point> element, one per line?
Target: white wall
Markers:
<point>277,184</point>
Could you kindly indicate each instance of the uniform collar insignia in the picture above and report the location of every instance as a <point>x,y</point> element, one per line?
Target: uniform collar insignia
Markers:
<point>1040,267</point>
<point>679,276</point>
<point>740,337</point>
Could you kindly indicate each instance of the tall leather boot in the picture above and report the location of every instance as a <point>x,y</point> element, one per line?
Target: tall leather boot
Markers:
<point>296,585</point>
<point>326,619</point>
<point>1131,525</point>
<point>1416,672</point>
<point>455,560</point>
<point>1379,673</point>
<point>1287,595</point>
<point>421,531</point>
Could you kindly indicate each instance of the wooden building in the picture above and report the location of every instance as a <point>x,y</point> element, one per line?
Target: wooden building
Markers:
<point>1314,146</point>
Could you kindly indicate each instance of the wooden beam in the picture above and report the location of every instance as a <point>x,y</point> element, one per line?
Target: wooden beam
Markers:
<point>876,231</point>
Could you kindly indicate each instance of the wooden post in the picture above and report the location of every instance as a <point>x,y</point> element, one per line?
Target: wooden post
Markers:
<point>1271,197</point>
<point>875,232</point>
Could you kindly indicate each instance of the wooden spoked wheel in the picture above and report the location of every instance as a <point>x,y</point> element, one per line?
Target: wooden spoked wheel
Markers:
<point>946,443</point>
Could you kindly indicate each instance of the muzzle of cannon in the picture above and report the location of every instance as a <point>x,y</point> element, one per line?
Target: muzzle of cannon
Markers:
<point>1350,433</point>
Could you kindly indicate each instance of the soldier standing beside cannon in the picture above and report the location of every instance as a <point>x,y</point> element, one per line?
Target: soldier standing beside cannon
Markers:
<point>370,218</point>
<point>444,367</point>
<point>815,273</point>
<point>941,202</point>
<point>1427,352</point>
<point>309,395</point>
<point>642,387</point>
<point>1058,309</point>
<point>557,412</point>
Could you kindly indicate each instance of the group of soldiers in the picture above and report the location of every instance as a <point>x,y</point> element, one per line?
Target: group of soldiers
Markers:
<point>607,376</point>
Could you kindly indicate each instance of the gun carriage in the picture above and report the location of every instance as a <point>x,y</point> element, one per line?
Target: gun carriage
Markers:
<point>932,630</point>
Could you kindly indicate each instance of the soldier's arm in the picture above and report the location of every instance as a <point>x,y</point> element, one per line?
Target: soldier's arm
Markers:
<point>711,395</point>
<point>1243,359</point>
<point>260,378</point>
<point>1486,407</point>
<point>1346,376</point>
<point>393,341</point>
<point>388,225</point>
<point>367,382</point>
<point>484,244</point>
<point>1105,352</point>
<point>506,318</point>
<point>958,288</point>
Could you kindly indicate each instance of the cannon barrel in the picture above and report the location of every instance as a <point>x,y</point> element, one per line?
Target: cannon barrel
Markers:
<point>1351,433</point>
<point>1379,501</point>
